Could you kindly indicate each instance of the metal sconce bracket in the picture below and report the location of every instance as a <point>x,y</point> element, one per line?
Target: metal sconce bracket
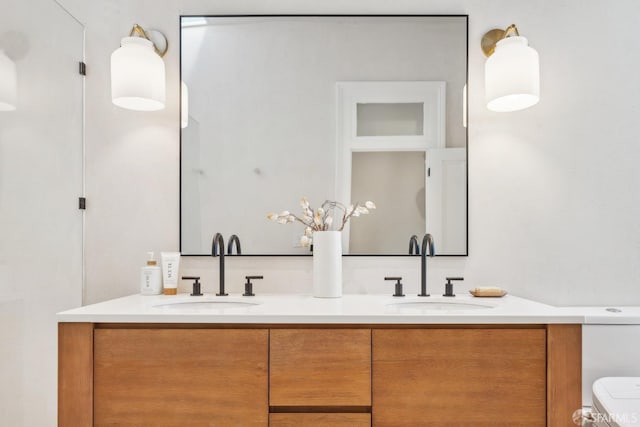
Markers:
<point>492,37</point>
<point>160,43</point>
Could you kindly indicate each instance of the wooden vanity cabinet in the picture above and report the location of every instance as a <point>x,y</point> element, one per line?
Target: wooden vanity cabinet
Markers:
<point>336,375</point>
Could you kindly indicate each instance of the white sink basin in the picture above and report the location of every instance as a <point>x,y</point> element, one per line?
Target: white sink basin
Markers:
<point>204,305</point>
<point>437,305</point>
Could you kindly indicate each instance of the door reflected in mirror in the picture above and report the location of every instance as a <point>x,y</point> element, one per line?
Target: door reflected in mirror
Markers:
<point>395,180</point>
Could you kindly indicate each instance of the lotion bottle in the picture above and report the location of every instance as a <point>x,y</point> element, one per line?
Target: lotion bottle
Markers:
<point>151,277</point>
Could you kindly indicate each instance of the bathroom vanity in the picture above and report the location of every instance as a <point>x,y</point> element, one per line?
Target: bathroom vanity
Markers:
<point>296,360</point>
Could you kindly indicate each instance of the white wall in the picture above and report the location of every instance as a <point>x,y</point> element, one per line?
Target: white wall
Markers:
<point>553,196</point>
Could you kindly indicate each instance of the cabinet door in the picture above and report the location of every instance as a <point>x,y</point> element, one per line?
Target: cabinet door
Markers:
<point>320,367</point>
<point>445,377</point>
<point>180,377</point>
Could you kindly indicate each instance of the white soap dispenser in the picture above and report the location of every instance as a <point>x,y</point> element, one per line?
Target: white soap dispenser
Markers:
<point>151,277</point>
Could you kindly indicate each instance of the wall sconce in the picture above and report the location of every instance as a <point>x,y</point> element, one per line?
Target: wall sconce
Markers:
<point>137,71</point>
<point>184,105</point>
<point>8,83</point>
<point>512,71</point>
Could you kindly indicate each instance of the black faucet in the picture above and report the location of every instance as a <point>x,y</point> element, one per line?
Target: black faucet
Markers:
<point>414,249</point>
<point>218,245</point>
<point>234,239</point>
<point>427,250</point>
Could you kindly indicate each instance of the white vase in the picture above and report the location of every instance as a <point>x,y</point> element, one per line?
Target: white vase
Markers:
<point>327,264</point>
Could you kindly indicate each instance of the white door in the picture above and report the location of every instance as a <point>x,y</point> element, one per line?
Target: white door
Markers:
<point>41,178</point>
<point>446,199</point>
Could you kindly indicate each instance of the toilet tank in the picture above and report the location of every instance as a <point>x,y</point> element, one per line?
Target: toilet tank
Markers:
<point>610,346</point>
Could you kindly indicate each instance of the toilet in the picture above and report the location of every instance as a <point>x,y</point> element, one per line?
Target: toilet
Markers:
<point>616,402</point>
<point>611,366</point>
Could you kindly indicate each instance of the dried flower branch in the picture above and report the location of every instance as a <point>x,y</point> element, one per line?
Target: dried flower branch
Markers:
<point>322,218</point>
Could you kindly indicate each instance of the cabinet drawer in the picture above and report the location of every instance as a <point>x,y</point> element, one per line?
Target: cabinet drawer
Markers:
<point>320,367</point>
<point>180,377</point>
<point>320,420</point>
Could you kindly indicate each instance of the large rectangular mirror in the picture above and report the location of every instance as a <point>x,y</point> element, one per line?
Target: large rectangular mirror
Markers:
<point>347,108</point>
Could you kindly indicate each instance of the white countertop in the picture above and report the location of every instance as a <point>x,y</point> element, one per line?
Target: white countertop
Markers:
<point>304,309</point>
<point>606,315</point>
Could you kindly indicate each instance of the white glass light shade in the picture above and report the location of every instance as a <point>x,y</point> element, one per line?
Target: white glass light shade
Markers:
<point>8,83</point>
<point>512,76</point>
<point>137,76</point>
<point>184,105</point>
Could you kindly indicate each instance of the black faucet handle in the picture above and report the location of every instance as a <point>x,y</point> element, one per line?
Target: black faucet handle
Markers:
<point>398,290</point>
<point>248,287</point>
<point>196,285</point>
<point>448,287</point>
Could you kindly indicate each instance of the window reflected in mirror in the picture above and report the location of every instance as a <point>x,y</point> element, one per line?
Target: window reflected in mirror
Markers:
<point>389,119</point>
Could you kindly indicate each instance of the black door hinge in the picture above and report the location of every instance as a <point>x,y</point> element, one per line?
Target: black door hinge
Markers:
<point>428,172</point>
<point>82,68</point>
<point>82,203</point>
